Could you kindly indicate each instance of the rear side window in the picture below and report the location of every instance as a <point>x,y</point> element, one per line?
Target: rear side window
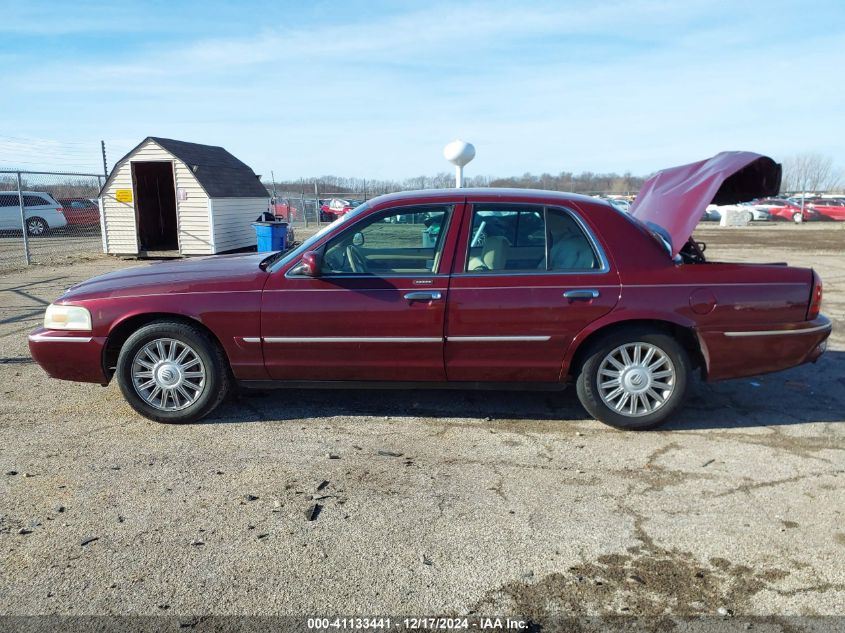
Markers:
<point>7,200</point>
<point>528,238</point>
<point>35,201</point>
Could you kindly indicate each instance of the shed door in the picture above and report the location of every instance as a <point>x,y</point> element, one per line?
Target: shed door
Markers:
<point>155,205</point>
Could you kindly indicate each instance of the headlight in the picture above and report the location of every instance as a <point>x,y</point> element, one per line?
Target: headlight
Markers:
<point>60,317</point>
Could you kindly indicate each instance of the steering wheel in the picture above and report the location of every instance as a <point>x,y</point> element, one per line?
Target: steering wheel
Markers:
<point>356,261</point>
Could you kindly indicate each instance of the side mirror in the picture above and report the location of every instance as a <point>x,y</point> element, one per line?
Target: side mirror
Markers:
<point>358,239</point>
<point>309,265</point>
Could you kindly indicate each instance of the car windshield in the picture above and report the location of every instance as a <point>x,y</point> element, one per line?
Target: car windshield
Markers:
<point>277,260</point>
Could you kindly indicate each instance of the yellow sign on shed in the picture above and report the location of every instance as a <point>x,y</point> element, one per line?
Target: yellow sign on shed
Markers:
<point>123,195</point>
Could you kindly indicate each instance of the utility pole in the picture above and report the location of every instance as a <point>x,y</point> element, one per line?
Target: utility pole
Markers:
<point>105,165</point>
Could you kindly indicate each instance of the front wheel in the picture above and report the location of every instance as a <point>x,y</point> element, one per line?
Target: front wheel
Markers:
<point>634,379</point>
<point>172,372</point>
<point>798,218</point>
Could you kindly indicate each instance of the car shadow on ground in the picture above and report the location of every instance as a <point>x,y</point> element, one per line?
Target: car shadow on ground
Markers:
<point>806,394</point>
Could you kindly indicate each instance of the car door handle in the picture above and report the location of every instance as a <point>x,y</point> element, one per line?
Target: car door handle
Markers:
<point>424,296</point>
<point>581,295</point>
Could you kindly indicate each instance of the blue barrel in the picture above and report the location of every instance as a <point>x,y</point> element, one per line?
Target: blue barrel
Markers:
<point>271,236</point>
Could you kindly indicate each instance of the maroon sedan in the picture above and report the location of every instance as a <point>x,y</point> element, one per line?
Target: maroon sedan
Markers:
<point>457,288</point>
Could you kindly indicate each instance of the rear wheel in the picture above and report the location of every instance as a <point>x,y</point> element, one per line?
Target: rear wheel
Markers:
<point>172,372</point>
<point>748,217</point>
<point>634,379</point>
<point>798,218</point>
<point>36,227</point>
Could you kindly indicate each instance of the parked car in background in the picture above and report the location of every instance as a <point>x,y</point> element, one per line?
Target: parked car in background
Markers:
<point>620,203</point>
<point>337,207</point>
<point>283,209</point>
<point>506,287</point>
<point>782,209</point>
<point>828,208</point>
<point>747,212</point>
<point>710,214</point>
<point>42,211</point>
<point>80,211</point>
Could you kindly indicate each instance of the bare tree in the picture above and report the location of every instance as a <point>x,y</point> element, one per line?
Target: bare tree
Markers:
<point>809,172</point>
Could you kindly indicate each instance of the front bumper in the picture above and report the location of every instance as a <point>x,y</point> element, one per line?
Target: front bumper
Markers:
<point>74,356</point>
<point>736,354</point>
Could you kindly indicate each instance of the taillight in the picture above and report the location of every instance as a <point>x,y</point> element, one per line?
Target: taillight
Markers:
<point>60,210</point>
<point>815,298</point>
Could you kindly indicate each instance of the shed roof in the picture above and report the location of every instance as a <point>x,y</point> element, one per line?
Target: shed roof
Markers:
<point>218,172</point>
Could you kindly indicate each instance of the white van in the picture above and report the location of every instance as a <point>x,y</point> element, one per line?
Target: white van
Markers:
<point>42,212</point>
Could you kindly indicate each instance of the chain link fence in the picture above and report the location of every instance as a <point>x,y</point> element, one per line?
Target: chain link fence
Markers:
<point>312,210</point>
<point>48,217</point>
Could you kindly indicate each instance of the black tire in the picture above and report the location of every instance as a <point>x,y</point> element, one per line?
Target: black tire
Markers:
<point>216,383</point>
<point>36,227</point>
<point>587,385</point>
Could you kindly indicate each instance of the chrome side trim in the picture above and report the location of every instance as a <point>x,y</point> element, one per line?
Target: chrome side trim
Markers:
<point>352,339</point>
<point>725,283</point>
<point>495,339</point>
<point>522,287</point>
<point>538,273</point>
<point>369,276</point>
<point>43,338</point>
<point>808,330</point>
<point>251,339</point>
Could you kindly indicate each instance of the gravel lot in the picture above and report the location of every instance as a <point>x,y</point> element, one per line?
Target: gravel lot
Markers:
<point>432,502</point>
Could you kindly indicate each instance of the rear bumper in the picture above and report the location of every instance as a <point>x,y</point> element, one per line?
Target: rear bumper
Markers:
<point>74,356</point>
<point>749,352</point>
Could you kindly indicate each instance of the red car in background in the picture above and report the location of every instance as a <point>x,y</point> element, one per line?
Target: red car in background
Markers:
<point>80,211</point>
<point>779,208</point>
<point>283,210</point>
<point>828,208</point>
<point>514,289</point>
<point>335,208</point>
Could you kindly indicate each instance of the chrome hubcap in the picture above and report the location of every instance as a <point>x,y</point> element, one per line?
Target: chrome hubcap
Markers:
<point>168,374</point>
<point>36,228</point>
<point>636,379</point>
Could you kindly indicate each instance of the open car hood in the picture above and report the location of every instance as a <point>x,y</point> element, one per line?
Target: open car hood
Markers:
<point>675,198</point>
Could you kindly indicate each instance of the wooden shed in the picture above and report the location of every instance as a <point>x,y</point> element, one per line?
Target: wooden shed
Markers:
<point>168,196</point>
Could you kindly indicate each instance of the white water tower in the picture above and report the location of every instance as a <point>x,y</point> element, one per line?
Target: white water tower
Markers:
<point>459,153</point>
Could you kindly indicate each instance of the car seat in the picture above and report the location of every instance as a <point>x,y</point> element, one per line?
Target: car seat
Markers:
<point>494,254</point>
<point>572,252</point>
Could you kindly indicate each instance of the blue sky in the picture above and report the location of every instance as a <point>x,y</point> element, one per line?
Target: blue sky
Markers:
<point>374,89</point>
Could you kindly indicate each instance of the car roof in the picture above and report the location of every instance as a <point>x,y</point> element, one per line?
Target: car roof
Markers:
<point>528,195</point>
<point>28,193</point>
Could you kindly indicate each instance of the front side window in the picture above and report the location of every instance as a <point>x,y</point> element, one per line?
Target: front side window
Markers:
<point>527,238</point>
<point>398,241</point>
